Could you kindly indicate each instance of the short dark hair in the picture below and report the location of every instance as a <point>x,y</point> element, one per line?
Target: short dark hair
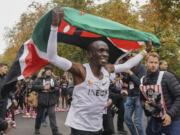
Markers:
<point>48,68</point>
<point>3,64</point>
<point>90,45</point>
<point>152,54</point>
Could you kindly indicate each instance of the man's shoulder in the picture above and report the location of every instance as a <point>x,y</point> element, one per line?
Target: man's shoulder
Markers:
<point>141,68</point>
<point>142,65</point>
<point>171,74</point>
<point>170,78</point>
<point>168,74</point>
<point>39,79</point>
<point>78,68</point>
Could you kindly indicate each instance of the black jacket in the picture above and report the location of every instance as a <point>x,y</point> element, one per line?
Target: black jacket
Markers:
<point>171,91</point>
<point>3,101</point>
<point>5,93</point>
<point>2,79</point>
<point>46,98</point>
<point>138,72</point>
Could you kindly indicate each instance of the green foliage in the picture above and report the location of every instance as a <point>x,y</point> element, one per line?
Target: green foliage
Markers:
<point>22,31</point>
<point>70,52</point>
<point>73,53</point>
<point>161,17</point>
<point>78,4</point>
<point>118,11</point>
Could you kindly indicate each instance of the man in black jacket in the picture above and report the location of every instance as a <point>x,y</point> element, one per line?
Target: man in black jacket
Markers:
<point>3,97</point>
<point>47,98</point>
<point>160,94</point>
<point>5,93</point>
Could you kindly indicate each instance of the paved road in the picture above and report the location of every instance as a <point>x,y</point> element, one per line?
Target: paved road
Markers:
<point>25,126</point>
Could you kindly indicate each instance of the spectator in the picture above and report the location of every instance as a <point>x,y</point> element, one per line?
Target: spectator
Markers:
<point>163,65</point>
<point>132,104</point>
<point>64,92</point>
<point>160,94</point>
<point>47,98</point>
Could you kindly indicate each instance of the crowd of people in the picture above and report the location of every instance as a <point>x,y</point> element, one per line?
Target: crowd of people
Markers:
<point>33,101</point>
<point>98,92</point>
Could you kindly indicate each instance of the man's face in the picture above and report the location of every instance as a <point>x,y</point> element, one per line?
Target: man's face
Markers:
<point>100,53</point>
<point>48,72</point>
<point>164,66</point>
<point>27,79</point>
<point>4,69</point>
<point>152,64</point>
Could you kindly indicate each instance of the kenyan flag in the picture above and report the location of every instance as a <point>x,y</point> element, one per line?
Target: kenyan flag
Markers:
<point>79,29</point>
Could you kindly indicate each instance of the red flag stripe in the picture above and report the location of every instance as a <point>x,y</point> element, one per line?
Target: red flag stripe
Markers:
<point>125,44</point>
<point>89,34</point>
<point>66,28</point>
<point>33,62</point>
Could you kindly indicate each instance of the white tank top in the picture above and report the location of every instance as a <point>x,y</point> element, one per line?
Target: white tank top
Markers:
<point>89,99</point>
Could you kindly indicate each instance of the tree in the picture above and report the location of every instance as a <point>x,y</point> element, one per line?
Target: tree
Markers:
<point>78,4</point>
<point>22,31</point>
<point>162,17</point>
<point>118,11</point>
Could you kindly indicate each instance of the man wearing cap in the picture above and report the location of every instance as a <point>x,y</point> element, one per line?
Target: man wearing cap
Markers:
<point>45,85</point>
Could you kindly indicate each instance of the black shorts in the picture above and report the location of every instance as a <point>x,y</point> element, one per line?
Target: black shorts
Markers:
<point>81,132</point>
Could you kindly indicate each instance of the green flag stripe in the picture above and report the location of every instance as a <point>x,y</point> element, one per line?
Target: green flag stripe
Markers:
<point>89,23</point>
<point>105,27</point>
<point>41,32</point>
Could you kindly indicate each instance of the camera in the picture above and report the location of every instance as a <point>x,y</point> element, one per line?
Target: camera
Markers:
<point>153,106</point>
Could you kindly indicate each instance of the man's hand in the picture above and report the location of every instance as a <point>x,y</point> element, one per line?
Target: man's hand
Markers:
<point>124,93</point>
<point>166,120</point>
<point>147,104</point>
<point>57,15</point>
<point>149,46</point>
<point>15,103</point>
<point>47,86</point>
<point>108,103</point>
<point>146,48</point>
<point>129,72</point>
<point>40,74</point>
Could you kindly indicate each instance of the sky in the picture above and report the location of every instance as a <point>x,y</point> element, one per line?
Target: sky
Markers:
<point>10,12</point>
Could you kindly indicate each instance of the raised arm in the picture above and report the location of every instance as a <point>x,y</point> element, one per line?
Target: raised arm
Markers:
<point>130,63</point>
<point>127,65</point>
<point>53,57</point>
<point>62,63</point>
